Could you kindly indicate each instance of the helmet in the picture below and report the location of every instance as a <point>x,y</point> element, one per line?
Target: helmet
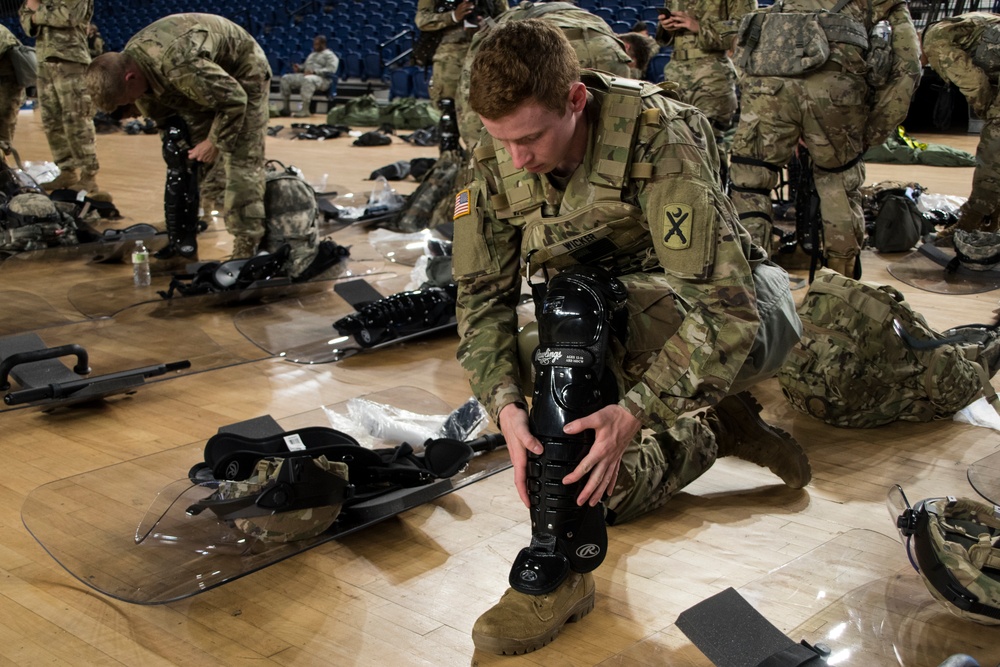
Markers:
<point>283,499</point>
<point>977,250</point>
<point>30,208</point>
<point>954,544</point>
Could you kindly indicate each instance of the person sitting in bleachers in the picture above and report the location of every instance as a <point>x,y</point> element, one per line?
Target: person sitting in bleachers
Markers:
<point>317,73</point>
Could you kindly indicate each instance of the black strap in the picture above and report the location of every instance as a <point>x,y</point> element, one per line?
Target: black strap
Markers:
<point>754,162</point>
<point>842,168</point>
<point>754,191</point>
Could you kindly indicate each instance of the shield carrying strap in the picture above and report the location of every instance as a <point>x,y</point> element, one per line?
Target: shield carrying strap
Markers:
<point>731,633</point>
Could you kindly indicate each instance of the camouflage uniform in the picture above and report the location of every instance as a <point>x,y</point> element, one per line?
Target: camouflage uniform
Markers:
<point>650,177</point>
<point>950,47</point>
<point>11,92</point>
<point>451,51</point>
<point>323,65</point>
<point>699,65</point>
<point>594,42</point>
<point>831,109</point>
<point>222,95</point>
<point>60,29</point>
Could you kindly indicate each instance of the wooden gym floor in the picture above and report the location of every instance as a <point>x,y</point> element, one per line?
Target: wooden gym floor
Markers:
<point>407,591</point>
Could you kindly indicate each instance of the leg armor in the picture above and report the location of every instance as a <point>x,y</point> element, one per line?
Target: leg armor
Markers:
<point>180,197</point>
<point>582,309</point>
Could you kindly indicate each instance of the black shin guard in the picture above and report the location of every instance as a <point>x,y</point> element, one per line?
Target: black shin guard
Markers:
<point>180,196</point>
<point>582,309</point>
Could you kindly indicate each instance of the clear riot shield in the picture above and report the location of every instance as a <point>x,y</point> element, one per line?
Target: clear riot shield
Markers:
<point>924,268</point>
<point>403,248</point>
<point>857,596</point>
<point>301,330</point>
<point>106,296</point>
<point>115,533</point>
<point>111,245</point>
<point>127,341</point>
<point>25,311</point>
<point>984,476</point>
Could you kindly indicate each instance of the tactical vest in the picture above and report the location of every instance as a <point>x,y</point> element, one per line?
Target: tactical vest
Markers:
<point>605,231</point>
<point>776,42</point>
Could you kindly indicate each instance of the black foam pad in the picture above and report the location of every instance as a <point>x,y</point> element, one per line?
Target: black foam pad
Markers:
<point>357,292</point>
<point>731,633</point>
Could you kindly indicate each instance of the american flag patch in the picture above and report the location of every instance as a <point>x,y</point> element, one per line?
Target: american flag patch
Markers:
<point>462,204</point>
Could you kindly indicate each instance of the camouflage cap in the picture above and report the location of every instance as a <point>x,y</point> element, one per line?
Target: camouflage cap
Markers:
<point>977,250</point>
<point>959,558</point>
<point>282,526</point>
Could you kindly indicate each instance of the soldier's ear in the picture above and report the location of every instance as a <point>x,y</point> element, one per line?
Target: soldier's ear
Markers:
<point>577,96</point>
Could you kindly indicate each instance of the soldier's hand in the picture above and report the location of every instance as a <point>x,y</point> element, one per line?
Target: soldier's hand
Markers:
<point>463,10</point>
<point>514,426</point>
<point>681,21</point>
<point>204,152</point>
<point>296,67</point>
<point>614,427</point>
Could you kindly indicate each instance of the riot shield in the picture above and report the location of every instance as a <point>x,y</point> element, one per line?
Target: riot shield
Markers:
<point>102,528</point>
<point>984,475</point>
<point>111,245</point>
<point>128,341</point>
<point>104,297</point>
<point>924,268</point>
<point>24,311</point>
<point>301,330</point>
<point>855,597</point>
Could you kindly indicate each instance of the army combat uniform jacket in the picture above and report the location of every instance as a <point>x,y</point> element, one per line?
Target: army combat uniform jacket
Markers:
<point>645,204</point>
<point>322,63</point>
<point>60,29</point>
<point>965,50</point>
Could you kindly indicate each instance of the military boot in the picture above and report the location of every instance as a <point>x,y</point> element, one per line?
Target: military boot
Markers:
<point>88,183</point>
<point>521,623</point>
<point>244,247</point>
<point>845,266</point>
<point>67,178</point>
<point>740,432</point>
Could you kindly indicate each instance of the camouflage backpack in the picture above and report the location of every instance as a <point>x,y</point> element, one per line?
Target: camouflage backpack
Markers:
<point>292,214</point>
<point>409,113</point>
<point>32,221</point>
<point>866,358</point>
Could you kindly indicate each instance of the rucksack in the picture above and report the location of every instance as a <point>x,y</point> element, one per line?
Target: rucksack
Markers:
<point>899,223</point>
<point>856,367</point>
<point>409,113</point>
<point>363,111</point>
<point>291,212</point>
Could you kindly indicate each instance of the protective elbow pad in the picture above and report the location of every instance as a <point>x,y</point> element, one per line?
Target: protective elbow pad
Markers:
<point>582,309</point>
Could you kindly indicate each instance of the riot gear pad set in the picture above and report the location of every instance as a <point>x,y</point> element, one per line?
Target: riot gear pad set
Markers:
<point>181,198</point>
<point>293,485</point>
<point>582,310</point>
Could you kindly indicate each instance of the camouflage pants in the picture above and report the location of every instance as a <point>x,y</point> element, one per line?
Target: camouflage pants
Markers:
<point>67,114</point>
<point>827,111</point>
<point>984,200</point>
<point>11,99</point>
<point>305,85</point>
<point>448,61</point>
<point>710,85</point>
<point>238,176</point>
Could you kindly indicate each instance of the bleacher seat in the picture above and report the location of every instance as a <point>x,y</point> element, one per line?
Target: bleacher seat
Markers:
<point>654,72</point>
<point>650,15</point>
<point>372,62</point>
<point>353,66</point>
<point>607,14</point>
<point>620,27</point>
<point>401,82</point>
<point>420,77</point>
<point>628,14</point>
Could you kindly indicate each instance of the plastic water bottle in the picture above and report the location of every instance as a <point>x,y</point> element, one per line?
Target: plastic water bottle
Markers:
<point>140,265</point>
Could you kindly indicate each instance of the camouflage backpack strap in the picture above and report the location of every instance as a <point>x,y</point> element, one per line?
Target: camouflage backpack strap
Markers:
<point>621,112</point>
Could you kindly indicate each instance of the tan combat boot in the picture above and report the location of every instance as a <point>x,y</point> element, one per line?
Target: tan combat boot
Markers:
<point>244,247</point>
<point>67,178</point>
<point>842,265</point>
<point>88,183</point>
<point>740,432</point>
<point>521,623</point>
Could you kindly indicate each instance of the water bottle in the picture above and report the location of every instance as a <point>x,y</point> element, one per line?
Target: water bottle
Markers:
<point>140,265</point>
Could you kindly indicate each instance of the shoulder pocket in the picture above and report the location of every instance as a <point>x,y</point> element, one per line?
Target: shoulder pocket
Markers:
<point>473,253</point>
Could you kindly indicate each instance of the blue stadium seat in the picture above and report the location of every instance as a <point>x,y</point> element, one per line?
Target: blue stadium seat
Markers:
<point>620,26</point>
<point>607,14</point>
<point>420,90</point>
<point>589,5</point>
<point>401,82</point>
<point>628,14</point>
<point>654,72</point>
<point>353,65</point>
<point>372,65</point>
<point>650,15</point>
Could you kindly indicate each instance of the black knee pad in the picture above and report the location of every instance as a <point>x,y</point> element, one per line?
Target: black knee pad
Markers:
<point>180,196</point>
<point>582,309</point>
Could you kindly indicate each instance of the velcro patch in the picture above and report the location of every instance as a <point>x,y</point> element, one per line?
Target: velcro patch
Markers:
<point>678,222</point>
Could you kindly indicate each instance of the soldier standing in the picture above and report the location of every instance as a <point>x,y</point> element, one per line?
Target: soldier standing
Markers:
<point>586,175</point>
<point>60,29</point>
<point>965,50</point>
<point>11,90</point>
<point>702,33</point>
<point>457,22</point>
<point>806,77</point>
<point>214,75</point>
